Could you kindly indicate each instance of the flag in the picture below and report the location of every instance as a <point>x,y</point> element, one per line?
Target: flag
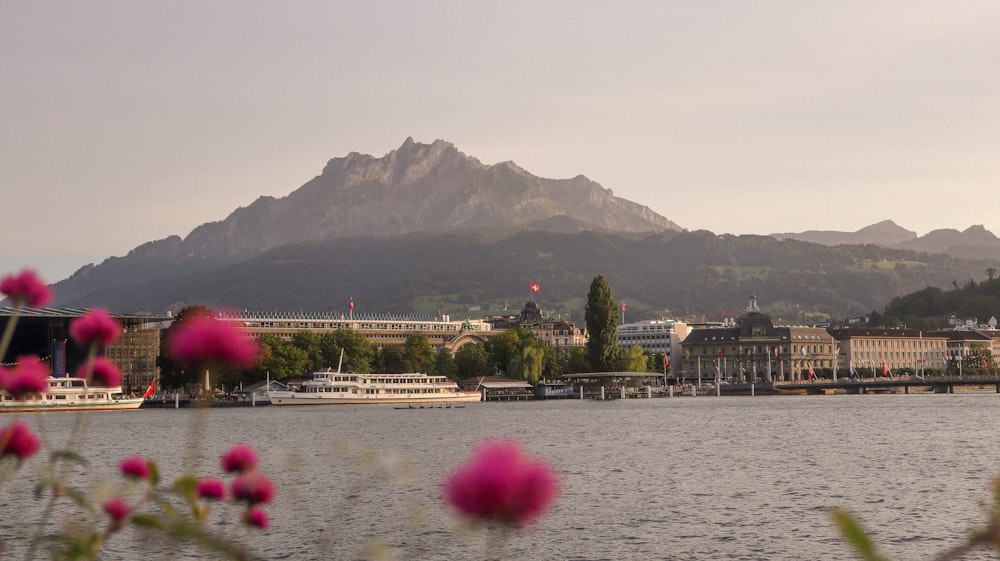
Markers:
<point>666,361</point>
<point>885,368</point>
<point>802,351</point>
<point>854,373</point>
<point>986,365</point>
<point>534,287</point>
<point>776,349</point>
<point>352,303</point>
<point>811,373</point>
<point>623,306</point>
<point>149,391</point>
<point>720,353</point>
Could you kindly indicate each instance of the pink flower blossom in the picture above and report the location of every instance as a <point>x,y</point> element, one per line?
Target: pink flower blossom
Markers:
<point>104,373</point>
<point>503,484</point>
<point>117,509</point>
<point>253,487</point>
<point>211,488</point>
<point>255,516</point>
<point>136,467</point>
<point>95,327</point>
<point>205,339</point>
<point>30,376</point>
<point>16,439</point>
<point>26,289</point>
<point>240,457</point>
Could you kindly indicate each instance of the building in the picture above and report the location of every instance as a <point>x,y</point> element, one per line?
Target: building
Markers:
<point>753,348</point>
<point>656,336</point>
<point>43,332</point>
<point>877,350</point>
<point>381,329</point>
<point>554,332</point>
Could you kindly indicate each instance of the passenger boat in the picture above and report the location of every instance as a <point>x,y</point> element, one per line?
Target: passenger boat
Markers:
<point>70,394</point>
<point>333,387</point>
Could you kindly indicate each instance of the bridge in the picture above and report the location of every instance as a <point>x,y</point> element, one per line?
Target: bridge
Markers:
<point>937,384</point>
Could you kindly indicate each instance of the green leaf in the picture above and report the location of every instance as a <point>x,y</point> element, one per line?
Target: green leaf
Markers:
<point>70,456</point>
<point>855,535</point>
<point>146,521</point>
<point>78,497</point>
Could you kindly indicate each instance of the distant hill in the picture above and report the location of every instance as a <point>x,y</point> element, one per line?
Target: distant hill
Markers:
<point>976,242</point>
<point>665,273</point>
<point>417,188</point>
<point>885,234</point>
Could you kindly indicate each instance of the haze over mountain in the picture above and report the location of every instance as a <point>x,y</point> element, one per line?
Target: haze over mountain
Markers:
<point>976,242</point>
<point>426,226</point>
<point>418,188</point>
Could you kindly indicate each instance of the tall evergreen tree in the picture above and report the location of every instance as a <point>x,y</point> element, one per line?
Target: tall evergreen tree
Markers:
<point>601,317</point>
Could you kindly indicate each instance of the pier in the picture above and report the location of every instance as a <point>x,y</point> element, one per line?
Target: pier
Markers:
<point>903,384</point>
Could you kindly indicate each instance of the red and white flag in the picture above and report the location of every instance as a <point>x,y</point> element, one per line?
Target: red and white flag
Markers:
<point>666,361</point>
<point>352,303</point>
<point>534,287</point>
<point>149,391</point>
<point>623,306</point>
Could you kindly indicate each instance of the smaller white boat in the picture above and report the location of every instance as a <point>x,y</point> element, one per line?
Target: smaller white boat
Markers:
<point>70,394</point>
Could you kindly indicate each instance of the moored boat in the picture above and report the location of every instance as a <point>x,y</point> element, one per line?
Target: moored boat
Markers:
<point>70,394</point>
<point>334,387</point>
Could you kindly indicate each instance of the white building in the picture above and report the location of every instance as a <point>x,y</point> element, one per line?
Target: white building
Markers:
<point>655,335</point>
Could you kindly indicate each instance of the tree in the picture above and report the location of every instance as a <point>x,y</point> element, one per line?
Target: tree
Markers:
<point>444,364</point>
<point>601,318</point>
<point>471,360</point>
<point>504,350</point>
<point>308,341</point>
<point>283,359</point>
<point>633,360</point>
<point>360,354</point>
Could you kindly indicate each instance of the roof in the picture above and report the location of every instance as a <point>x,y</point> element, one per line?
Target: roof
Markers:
<point>505,385</point>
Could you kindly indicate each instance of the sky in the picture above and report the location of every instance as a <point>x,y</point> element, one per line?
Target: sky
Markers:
<point>124,122</point>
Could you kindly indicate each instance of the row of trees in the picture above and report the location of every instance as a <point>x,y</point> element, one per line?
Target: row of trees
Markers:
<point>516,353</point>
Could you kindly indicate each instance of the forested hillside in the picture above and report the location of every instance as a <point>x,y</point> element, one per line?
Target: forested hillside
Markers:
<point>673,273</point>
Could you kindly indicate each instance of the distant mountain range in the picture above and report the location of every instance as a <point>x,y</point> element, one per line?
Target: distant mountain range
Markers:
<point>976,242</point>
<point>426,227</point>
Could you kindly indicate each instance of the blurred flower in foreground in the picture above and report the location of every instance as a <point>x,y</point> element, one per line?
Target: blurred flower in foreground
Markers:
<point>240,457</point>
<point>117,509</point>
<point>95,327</point>
<point>256,516</point>
<point>102,373</point>
<point>136,467</point>
<point>211,488</point>
<point>17,440</point>
<point>26,289</point>
<point>501,483</point>
<point>204,339</point>
<point>30,376</point>
<point>253,488</point>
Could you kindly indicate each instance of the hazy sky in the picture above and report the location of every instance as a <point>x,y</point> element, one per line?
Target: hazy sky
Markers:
<point>126,122</point>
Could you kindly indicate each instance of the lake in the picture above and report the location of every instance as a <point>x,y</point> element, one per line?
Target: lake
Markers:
<point>675,478</point>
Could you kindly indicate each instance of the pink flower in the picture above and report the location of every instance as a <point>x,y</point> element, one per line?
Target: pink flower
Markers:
<point>104,373</point>
<point>211,488</point>
<point>25,288</point>
<point>501,483</point>
<point>16,439</point>
<point>30,376</point>
<point>135,466</point>
<point>205,339</point>
<point>255,516</point>
<point>253,487</point>
<point>240,457</point>
<point>95,327</point>
<point>117,509</point>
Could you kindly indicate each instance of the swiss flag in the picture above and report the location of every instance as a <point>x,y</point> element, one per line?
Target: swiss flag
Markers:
<point>149,391</point>
<point>666,361</point>
<point>623,306</point>
<point>352,303</point>
<point>534,287</point>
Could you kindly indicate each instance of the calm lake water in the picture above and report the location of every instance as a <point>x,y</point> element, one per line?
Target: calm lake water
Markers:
<point>681,478</point>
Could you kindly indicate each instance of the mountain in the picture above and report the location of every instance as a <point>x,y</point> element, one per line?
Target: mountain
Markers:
<point>690,273</point>
<point>976,242</point>
<point>885,234</point>
<point>417,188</point>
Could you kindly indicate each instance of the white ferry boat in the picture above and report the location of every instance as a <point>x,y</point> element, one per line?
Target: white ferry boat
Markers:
<point>334,387</point>
<point>70,394</point>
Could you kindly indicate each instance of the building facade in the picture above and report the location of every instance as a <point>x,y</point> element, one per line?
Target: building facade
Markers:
<point>752,348</point>
<point>656,336</point>
<point>554,332</point>
<point>881,351</point>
